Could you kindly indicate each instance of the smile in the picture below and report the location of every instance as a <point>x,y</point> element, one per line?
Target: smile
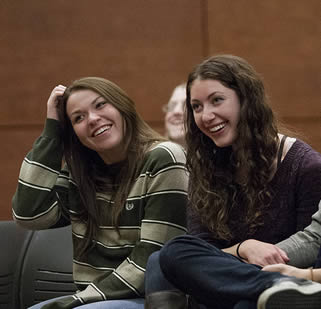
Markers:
<point>177,122</point>
<point>218,127</point>
<point>101,130</point>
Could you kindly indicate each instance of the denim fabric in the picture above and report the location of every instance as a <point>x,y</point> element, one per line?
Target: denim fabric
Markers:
<point>245,304</point>
<point>137,303</point>
<point>155,280</point>
<point>211,276</point>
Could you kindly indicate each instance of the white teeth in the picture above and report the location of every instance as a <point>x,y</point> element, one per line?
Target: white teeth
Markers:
<point>218,127</point>
<point>101,130</point>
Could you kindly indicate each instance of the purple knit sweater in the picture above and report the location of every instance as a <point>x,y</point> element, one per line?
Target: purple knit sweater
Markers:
<point>297,192</point>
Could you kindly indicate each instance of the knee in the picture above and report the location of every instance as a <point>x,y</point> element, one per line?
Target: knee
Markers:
<point>172,254</point>
<point>154,278</point>
<point>153,262</point>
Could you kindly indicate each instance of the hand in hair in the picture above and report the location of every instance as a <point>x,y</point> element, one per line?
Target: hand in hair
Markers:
<point>53,101</point>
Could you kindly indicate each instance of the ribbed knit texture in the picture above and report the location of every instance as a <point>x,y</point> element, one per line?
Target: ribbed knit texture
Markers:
<point>153,214</point>
<point>296,188</point>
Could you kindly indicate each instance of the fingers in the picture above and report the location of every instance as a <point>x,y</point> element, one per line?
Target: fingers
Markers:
<point>60,88</point>
<point>276,256</point>
<point>58,91</point>
<point>283,255</point>
<point>52,102</point>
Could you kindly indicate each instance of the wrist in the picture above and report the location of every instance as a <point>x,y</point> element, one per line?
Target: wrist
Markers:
<point>311,274</point>
<point>238,253</point>
<point>53,115</point>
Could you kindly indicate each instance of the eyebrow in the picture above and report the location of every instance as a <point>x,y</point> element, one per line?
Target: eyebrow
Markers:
<point>209,96</point>
<point>77,111</point>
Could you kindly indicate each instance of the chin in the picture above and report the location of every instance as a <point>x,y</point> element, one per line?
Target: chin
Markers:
<point>175,137</point>
<point>222,145</point>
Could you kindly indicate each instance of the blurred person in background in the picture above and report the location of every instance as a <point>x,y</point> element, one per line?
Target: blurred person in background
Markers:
<point>175,115</point>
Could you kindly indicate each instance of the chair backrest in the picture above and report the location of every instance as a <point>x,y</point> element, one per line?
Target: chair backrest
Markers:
<point>14,242</point>
<point>47,267</point>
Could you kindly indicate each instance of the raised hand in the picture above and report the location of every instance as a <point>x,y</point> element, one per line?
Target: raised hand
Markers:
<point>53,102</point>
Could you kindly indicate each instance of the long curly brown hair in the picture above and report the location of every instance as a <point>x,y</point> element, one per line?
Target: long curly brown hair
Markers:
<point>214,191</point>
<point>87,168</point>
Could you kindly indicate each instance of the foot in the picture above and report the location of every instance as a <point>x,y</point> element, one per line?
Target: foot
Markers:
<point>291,293</point>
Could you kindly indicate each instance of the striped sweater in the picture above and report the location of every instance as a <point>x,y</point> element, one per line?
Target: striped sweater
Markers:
<point>153,214</point>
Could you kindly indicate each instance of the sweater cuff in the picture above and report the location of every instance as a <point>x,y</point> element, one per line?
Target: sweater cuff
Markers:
<point>52,129</point>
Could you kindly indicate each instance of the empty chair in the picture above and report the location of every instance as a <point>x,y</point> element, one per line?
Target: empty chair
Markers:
<point>47,267</point>
<point>14,241</point>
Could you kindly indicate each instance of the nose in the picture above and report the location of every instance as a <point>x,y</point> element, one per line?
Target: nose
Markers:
<point>93,118</point>
<point>178,108</point>
<point>208,115</point>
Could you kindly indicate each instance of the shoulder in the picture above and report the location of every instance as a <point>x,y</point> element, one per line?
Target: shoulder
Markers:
<point>168,151</point>
<point>305,152</point>
<point>164,155</point>
<point>303,158</point>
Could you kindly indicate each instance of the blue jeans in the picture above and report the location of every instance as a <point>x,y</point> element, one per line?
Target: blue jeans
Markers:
<point>154,278</point>
<point>155,281</point>
<point>136,303</point>
<point>211,276</point>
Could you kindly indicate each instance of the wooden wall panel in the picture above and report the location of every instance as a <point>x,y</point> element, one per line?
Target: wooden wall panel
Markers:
<point>145,46</point>
<point>15,143</point>
<point>282,40</point>
<point>306,129</point>
<point>135,43</point>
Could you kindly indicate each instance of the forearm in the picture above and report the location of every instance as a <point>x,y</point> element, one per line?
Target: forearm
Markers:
<point>302,253</point>
<point>35,198</point>
<point>288,270</point>
<point>308,274</point>
<point>316,274</point>
<point>258,252</point>
<point>234,250</point>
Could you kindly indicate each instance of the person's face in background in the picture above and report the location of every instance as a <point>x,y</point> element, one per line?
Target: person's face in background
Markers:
<point>174,117</point>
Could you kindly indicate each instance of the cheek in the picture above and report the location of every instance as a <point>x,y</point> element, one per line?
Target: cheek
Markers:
<point>198,120</point>
<point>79,132</point>
<point>167,117</point>
<point>237,118</point>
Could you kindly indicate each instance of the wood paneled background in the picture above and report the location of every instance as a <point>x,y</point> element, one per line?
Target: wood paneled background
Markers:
<point>147,47</point>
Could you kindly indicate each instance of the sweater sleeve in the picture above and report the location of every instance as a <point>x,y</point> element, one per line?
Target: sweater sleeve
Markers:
<point>35,202</point>
<point>162,187</point>
<point>302,247</point>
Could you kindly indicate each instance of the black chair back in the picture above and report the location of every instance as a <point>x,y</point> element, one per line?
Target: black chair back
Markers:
<point>47,267</point>
<point>14,242</point>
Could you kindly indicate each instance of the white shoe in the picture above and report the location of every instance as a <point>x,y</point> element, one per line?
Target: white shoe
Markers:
<point>291,293</point>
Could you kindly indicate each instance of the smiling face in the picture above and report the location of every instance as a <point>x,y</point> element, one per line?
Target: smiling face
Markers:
<point>98,124</point>
<point>174,117</point>
<point>216,110</point>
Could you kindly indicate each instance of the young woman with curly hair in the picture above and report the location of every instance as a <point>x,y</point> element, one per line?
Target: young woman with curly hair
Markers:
<point>250,188</point>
